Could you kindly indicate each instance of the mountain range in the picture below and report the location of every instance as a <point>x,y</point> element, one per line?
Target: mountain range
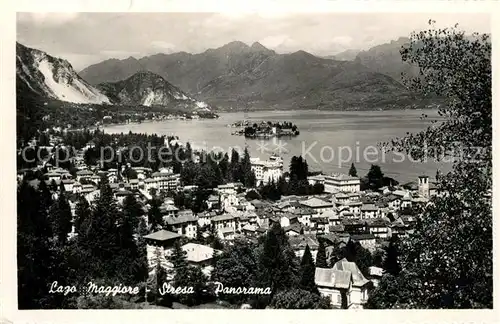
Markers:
<point>54,78</point>
<point>234,76</point>
<point>386,59</point>
<point>240,76</point>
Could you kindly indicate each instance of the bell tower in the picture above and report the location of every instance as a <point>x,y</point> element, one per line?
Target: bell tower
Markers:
<point>423,186</point>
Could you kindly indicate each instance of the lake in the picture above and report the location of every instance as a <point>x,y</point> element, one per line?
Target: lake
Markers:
<point>329,140</point>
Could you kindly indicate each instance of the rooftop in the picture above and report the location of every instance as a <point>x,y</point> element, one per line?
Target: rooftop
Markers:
<point>223,217</point>
<point>300,241</point>
<point>162,235</point>
<point>332,278</point>
<point>226,230</point>
<point>369,207</point>
<point>357,277</point>
<point>180,219</point>
<point>341,177</point>
<point>316,203</point>
<point>198,253</point>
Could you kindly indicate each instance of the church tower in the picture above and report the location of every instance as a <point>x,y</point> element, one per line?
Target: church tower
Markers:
<point>423,186</point>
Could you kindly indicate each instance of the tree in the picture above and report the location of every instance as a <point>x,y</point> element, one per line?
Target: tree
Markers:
<point>355,252</point>
<point>133,210</point>
<point>299,299</point>
<point>352,171</point>
<point>298,168</point>
<point>155,218</point>
<point>53,186</point>
<point>278,268</point>
<point>235,167</point>
<point>321,256</point>
<point>375,177</point>
<point>448,261</point>
<point>133,265</point>
<point>60,214</point>
<point>224,167</point>
<point>307,272</point>
<point>178,258</point>
<point>103,240</point>
<point>142,228</point>
<point>213,239</point>
<point>158,279</point>
<point>246,168</point>
<point>391,263</point>
<point>236,267</point>
<point>82,216</point>
<point>34,252</point>
<point>192,276</point>
<point>189,172</point>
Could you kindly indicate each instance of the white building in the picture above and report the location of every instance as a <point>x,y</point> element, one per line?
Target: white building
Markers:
<point>166,180</point>
<point>342,183</point>
<point>317,204</point>
<point>267,171</point>
<point>184,223</point>
<point>424,186</point>
<point>227,194</point>
<point>344,285</point>
<point>200,256</point>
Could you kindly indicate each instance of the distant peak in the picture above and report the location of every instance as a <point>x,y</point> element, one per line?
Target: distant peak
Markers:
<point>259,46</point>
<point>236,44</point>
<point>301,53</point>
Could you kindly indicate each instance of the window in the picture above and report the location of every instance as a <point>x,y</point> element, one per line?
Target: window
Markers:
<point>339,299</point>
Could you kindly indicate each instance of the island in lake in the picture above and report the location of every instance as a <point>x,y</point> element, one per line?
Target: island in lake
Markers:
<point>265,129</point>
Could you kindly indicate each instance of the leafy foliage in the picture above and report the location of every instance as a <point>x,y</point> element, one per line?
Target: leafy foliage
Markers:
<point>448,261</point>
<point>299,299</point>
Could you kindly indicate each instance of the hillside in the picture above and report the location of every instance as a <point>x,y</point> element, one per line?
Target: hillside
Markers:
<point>241,77</point>
<point>347,55</point>
<point>148,89</point>
<point>53,77</point>
<point>386,59</point>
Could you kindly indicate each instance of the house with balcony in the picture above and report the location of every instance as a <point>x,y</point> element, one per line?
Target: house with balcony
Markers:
<point>169,210</point>
<point>184,223</point>
<point>205,218</point>
<point>379,227</point>
<point>368,211</point>
<point>343,284</point>
<point>226,233</point>
<point>224,221</point>
<point>84,175</point>
<point>304,215</point>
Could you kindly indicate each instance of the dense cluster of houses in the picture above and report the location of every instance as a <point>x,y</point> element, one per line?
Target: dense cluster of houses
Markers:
<point>342,213</point>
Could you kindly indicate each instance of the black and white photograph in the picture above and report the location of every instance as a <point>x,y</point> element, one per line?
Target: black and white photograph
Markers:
<point>253,160</point>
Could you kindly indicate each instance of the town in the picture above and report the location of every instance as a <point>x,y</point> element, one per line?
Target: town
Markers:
<point>332,213</point>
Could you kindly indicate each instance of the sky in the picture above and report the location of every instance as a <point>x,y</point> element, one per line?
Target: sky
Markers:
<point>88,38</point>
